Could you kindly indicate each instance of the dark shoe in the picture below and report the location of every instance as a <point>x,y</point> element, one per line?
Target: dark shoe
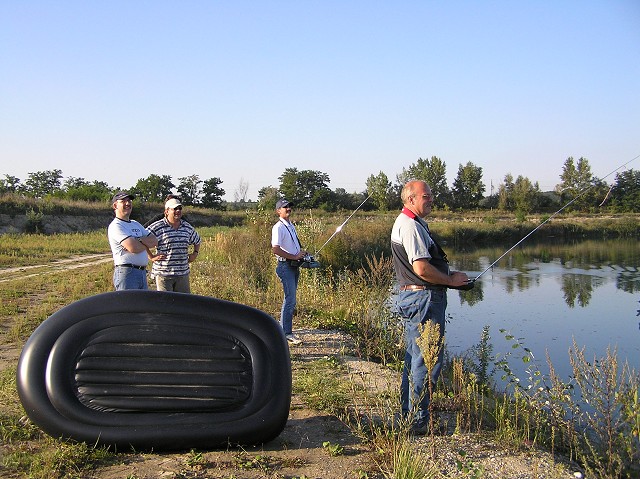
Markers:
<point>420,429</point>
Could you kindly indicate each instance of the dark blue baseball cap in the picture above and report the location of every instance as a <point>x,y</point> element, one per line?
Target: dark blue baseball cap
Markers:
<point>282,203</point>
<point>121,195</point>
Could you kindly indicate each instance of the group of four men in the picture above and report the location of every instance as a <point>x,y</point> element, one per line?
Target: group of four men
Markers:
<point>420,265</point>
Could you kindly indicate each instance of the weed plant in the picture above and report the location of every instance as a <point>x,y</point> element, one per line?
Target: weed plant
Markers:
<point>319,383</point>
<point>609,443</point>
<point>431,343</point>
<point>593,417</point>
<point>34,222</point>
<point>407,464</point>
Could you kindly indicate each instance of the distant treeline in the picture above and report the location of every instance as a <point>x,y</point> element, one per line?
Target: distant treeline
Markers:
<point>578,190</point>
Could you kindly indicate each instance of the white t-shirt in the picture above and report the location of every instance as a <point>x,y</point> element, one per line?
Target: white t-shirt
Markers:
<point>284,234</point>
<point>118,231</point>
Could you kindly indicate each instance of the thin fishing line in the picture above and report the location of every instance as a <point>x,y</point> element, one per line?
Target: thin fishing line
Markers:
<point>339,228</point>
<point>549,218</point>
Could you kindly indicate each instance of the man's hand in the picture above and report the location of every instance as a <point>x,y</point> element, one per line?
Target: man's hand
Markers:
<point>458,279</point>
<point>430,274</point>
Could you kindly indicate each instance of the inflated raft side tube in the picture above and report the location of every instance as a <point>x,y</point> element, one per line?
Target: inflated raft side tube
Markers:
<point>157,370</point>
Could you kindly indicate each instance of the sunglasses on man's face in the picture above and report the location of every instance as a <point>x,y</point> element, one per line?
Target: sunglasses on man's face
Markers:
<point>177,208</point>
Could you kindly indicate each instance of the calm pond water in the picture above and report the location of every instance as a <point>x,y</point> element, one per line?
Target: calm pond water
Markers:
<point>546,295</point>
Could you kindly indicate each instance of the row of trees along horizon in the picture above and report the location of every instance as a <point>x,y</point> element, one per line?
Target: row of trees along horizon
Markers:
<point>309,189</point>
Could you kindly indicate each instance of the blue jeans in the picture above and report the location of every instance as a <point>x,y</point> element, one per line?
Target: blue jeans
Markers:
<point>129,278</point>
<point>289,277</point>
<point>416,308</point>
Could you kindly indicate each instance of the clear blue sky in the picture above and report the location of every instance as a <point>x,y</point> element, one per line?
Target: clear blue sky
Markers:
<point>242,90</point>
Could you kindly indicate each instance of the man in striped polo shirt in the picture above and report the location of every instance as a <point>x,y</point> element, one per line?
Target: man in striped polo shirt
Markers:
<point>171,261</point>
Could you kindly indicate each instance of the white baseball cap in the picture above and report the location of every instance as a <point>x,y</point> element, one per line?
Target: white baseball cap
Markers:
<point>172,203</point>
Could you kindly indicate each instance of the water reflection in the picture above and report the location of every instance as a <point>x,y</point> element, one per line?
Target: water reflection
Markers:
<point>549,294</point>
<point>582,266</point>
<point>578,289</point>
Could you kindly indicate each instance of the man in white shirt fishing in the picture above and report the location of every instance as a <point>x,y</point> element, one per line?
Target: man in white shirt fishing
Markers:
<point>288,250</point>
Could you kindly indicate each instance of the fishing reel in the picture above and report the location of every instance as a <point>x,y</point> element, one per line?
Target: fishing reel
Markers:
<point>465,287</point>
<point>308,261</point>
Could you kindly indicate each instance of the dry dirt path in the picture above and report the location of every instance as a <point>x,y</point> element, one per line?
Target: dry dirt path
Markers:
<point>75,262</point>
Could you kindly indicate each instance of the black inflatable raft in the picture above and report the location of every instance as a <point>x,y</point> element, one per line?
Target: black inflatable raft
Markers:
<point>157,370</point>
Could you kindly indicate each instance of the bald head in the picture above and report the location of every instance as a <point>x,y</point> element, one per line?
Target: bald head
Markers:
<point>416,197</point>
<point>411,188</point>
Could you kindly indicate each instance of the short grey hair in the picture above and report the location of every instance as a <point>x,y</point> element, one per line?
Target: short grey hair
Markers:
<point>408,189</point>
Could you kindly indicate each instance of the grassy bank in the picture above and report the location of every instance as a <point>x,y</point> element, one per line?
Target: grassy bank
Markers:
<point>349,295</point>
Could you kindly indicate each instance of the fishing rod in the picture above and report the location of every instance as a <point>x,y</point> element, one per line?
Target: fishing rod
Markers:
<point>339,228</point>
<point>582,193</point>
<point>309,261</point>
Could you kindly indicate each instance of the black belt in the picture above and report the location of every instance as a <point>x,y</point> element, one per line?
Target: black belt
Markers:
<point>418,287</point>
<point>134,266</point>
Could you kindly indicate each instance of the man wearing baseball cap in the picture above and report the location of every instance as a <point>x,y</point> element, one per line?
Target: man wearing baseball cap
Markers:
<point>286,246</point>
<point>129,242</point>
<point>175,237</point>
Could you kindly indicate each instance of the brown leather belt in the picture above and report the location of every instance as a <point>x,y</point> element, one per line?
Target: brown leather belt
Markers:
<point>421,287</point>
<point>413,287</point>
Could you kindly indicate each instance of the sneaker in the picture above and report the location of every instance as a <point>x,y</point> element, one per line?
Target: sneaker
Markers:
<point>293,340</point>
